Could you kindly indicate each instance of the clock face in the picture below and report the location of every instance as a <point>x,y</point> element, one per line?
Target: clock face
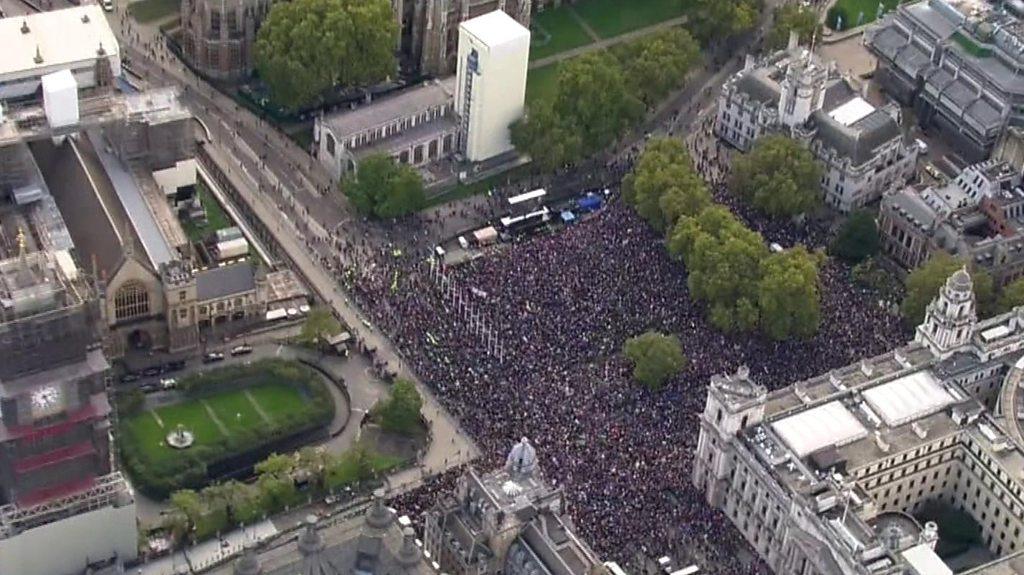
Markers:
<point>46,401</point>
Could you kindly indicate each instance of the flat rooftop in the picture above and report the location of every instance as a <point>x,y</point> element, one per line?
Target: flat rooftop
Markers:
<point>495,28</point>
<point>54,40</point>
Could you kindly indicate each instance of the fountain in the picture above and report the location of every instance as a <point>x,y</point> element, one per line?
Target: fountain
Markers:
<point>180,438</point>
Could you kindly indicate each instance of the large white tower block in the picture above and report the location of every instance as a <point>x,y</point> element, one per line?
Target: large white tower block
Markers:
<point>490,90</point>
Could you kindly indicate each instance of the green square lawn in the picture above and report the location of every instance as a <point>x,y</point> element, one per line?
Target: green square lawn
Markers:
<point>278,400</point>
<point>555,31</point>
<point>541,83</point>
<point>610,18</point>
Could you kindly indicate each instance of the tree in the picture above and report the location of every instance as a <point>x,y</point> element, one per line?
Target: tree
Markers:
<point>276,465</point>
<point>384,188</point>
<point>923,285</point>
<point>320,325</point>
<point>790,17</point>
<point>186,511</point>
<point>659,63</point>
<point>723,259</point>
<point>401,411</point>
<point>592,106</point>
<point>717,19</point>
<point>593,97</point>
<point>779,177</point>
<point>788,294</point>
<point>664,186</point>
<point>857,239</point>
<point>656,358</point>
<point>130,402</point>
<point>1012,296</point>
<point>549,139</point>
<point>307,46</point>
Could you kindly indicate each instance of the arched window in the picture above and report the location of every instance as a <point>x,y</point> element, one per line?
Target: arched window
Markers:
<point>330,144</point>
<point>131,300</point>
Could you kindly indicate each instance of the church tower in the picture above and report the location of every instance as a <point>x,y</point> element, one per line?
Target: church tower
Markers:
<point>950,319</point>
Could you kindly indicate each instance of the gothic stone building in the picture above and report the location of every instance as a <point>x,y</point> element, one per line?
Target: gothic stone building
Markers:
<point>218,37</point>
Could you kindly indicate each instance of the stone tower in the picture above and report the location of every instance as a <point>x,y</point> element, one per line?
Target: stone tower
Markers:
<point>803,88</point>
<point>950,318</point>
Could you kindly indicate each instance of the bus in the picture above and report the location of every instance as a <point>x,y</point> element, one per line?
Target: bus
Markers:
<point>529,198</point>
<point>526,222</point>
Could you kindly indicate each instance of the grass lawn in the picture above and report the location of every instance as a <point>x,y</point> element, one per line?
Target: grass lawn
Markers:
<point>146,11</point>
<point>610,18</point>
<point>216,218</point>
<point>555,31</point>
<point>541,83</point>
<point>852,9</point>
<point>275,399</point>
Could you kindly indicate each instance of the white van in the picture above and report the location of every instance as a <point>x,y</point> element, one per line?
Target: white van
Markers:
<point>107,5</point>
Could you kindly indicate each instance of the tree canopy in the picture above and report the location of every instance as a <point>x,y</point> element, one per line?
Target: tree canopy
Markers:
<point>656,358</point>
<point>307,46</point>
<point>320,325</point>
<point>923,285</point>
<point>790,17</point>
<point>779,177</point>
<point>1012,296</point>
<point>401,411</point>
<point>858,239</point>
<point>664,187</point>
<point>384,188</point>
<point>723,259</point>
<point>656,65</point>
<point>788,294</point>
<point>716,19</point>
<point>598,96</point>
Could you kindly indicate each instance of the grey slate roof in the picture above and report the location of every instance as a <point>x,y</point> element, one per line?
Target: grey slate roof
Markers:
<point>859,140</point>
<point>216,283</point>
<point>758,87</point>
<point>404,104</point>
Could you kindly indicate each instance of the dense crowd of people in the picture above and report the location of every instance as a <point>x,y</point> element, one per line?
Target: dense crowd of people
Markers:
<point>563,304</point>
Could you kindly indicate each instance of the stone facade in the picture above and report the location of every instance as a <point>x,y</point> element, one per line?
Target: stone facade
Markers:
<point>826,475</point>
<point>218,37</point>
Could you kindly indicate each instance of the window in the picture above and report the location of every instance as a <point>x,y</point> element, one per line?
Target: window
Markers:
<point>181,296</point>
<point>330,144</point>
<point>131,300</point>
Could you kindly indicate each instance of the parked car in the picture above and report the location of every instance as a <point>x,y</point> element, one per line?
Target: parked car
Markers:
<point>168,383</point>
<point>213,356</point>
<point>177,365</point>
<point>108,5</point>
<point>152,371</point>
<point>129,377</point>
<point>243,349</point>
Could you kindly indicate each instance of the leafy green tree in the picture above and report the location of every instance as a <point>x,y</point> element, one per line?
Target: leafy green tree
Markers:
<point>779,177</point>
<point>656,358</point>
<point>276,464</point>
<point>923,285</point>
<point>857,239</point>
<point>664,186</point>
<point>594,98</point>
<point>723,259</point>
<point>790,17</point>
<point>384,188</point>
<point>715,19</point>
<point>186,510</point>
<point>401,411</point>
<point>548,138</point>
<point>319,326</point>
<point>1012,296</point>
<point>307,46</point>
<point>659,63</point>
<point>788,294</point>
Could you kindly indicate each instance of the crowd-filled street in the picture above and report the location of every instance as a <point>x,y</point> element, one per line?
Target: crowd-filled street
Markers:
<point>562,305</point>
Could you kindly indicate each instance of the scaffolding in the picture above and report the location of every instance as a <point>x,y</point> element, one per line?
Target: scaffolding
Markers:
<point>108,490</point>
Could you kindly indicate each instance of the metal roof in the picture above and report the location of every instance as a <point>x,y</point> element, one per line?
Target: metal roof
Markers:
<point>908,398</point>
<point>495,28</point>
<point>822,426</point>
